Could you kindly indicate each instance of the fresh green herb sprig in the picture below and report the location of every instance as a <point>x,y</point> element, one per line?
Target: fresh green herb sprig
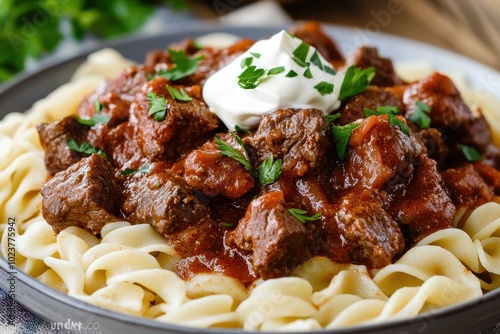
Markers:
<point>391,112</point>
<point>470,153</point>
<point>85,148</point>
<point>341,135</point>
<point>301,215</point>
<point>94,120</point>
<point>240,129</point>
<point>331,117</point>
<point>355,81</point>
<point>157,106</point>
<point>178,94</point>
<point>269,171</point>
<point>229,151</point>
<point>130,171</point>
<point>183,65</point>
<point>32,28</point>
<point>420,115</point>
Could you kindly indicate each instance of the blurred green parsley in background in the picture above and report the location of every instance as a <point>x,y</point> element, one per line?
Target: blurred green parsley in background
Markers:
<point>31,28</point>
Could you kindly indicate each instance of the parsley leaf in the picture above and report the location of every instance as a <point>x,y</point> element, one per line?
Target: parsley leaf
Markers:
<point>308,74</point>
<point>96,119</point>
<point>341,135</point>
<point>142,170</point>
<point>301,51</point>
<point>330,118</point>
<point>178,94</point>
<point>399,123</point>
<point>240,129</point>
<point>276,70</point>
<point>420,115</point>
<point>391,112</point>
<point>251,77</point>
<point>470,153</point>
<point>157,106</point>
<point>355,81</point>
<point>226,224</point>
<point>245,62</point>
<point>324,88</point>
<point>301,215</point>
<point>98,106</point>
<point>229,151</point>
<point>317,61</point>
<point>255,54</point>
<point>269,171</point>
<point>84,148</point>
<point>291,74</point>
<point>184,65</point>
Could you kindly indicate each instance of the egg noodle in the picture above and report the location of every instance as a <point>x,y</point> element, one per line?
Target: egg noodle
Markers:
<point>131,268</point>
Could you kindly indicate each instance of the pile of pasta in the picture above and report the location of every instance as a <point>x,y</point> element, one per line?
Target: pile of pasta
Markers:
<point>131,268</point>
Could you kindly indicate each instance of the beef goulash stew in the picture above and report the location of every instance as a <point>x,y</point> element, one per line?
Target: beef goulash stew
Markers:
<point>392,163</point>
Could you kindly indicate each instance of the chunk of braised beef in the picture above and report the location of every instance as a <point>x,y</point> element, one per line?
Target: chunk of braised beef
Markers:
<point>84,195</point>
<point>371,235</point>
<point>313,34</point>
<point>489,174</point>
<point>165,202</point>
<point>54,139</point>
<point>185,125</point>
<point>433,141</point>
<point>423,206</point>
<point>447,109</point>
<point>116,94</point>
<point>371,98</point>
<point>212,174</point>
<point>124,151</point>
<point>366,56</point>
<point>276,240</point>
<point>379,155</point>
<point>299,137</point>
<point>466,187</point>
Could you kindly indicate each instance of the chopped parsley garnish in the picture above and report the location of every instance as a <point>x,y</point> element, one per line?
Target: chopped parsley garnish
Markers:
<point>84,148</point>
<point>184,65</point>
<point>420,115</point>
<point>269,171</point>
<point>470,153</point>
<point>178,94</point>
<point>142,170</point>
<point>355,81</point>
<point>300,62</point>
<point>395,121</point>
<point>96,119</point>
<point>240,129</point>
<point>330,70</point>
<point>251,77</point>
<point>226,224</point>
<point>302,216</point>
<point>391,112</point>
<point>308,73</point>
<point>330,118</point>
<point>291,74</point>
<point>157,106</point>
<point>229,151</point>
<point>301,51</point>
<point>316,61</point>
<point>255,54</point>
<point>276,70</point>
<point>245,62</point>
<point>341,135</point>
<point>324,88</point>
<point>98,106</point>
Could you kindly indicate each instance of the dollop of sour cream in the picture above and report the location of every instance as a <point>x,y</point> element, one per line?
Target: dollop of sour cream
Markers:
<point>296,76</point>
